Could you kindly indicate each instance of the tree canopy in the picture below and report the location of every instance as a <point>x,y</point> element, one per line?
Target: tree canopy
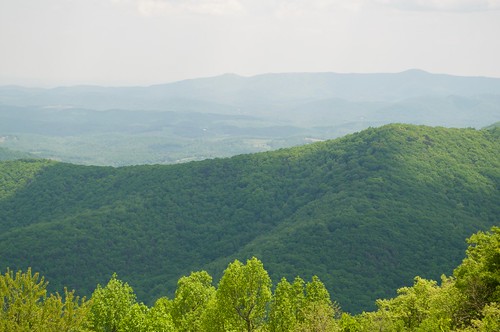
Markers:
<point>244,300</point>
<point>365,213</point>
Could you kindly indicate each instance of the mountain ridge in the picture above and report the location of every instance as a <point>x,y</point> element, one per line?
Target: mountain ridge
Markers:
<point>228,88</point>
<point>228,115</point>
<point>346,210</point>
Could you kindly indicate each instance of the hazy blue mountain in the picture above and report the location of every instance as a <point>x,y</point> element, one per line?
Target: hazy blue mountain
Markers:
<point>229,114</point>
<point>222,92</point>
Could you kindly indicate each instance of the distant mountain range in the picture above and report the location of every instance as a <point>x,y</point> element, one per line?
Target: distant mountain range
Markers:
<point>366,213</point>
<point>229,114</point>
<point>230,93</point>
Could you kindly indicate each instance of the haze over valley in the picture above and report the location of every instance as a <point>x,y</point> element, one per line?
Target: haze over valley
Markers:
<point>250,165</point>
<point>228,115</point>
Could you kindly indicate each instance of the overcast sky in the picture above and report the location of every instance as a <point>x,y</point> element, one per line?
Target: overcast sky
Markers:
<point>141,42</point>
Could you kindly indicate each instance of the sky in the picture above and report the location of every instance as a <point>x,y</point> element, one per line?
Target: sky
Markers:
<point>48,43</point>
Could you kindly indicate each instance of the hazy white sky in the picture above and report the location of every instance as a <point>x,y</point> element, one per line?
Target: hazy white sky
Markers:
<point>143,42</point>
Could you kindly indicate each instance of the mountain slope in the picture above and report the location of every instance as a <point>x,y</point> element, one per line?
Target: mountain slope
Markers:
<point>384,218</point>
<point>7,154</point>
<point>366,213</point>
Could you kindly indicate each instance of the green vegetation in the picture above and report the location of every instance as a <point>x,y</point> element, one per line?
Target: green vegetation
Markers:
<point>244,301</point>
<point>25,305</point>
<point>365,213</point>
<point>7,154</point>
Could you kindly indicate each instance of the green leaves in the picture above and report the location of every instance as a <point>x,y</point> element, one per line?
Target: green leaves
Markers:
<point>243,295</point>
<point>192,297</point>
<point>302,307</point>
<point>417,306</point>
<point>20,300</point>
<point>243,301</point>
<point>365,213</point>
<point>25,306</point>
<point>467,302</point>
<point>478,277</point>
<point>111,305</point>
<point>286,304</point>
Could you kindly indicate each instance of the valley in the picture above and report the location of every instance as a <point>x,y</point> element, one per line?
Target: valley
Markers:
<point>228,115</point>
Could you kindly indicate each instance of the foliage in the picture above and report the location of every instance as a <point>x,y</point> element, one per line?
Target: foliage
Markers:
<point>318,311</point>
<point>302,307</point>
<point>243,301</point>
<point>15,175</point>
<point>478,277</point>
<point>491,318</point>
<point>425,307</point>
<point>243,295</point>
<point>365,213</point>
<point>287,305</point>
<point>467,302</point>
<point>25,306</point>
<point>192,297</point>
<point>114,306</point>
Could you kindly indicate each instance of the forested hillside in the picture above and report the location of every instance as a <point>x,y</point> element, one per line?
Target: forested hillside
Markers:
<point>245,299</point>
<point>366,213</point>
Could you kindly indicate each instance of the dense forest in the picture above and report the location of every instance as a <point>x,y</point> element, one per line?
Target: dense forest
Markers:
<point>364,213</point>
<point>246,300</point>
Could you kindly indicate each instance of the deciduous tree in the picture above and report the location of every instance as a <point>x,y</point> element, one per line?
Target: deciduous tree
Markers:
<point>110,305</point>
<point>244,294</point>
<point>191,299</point>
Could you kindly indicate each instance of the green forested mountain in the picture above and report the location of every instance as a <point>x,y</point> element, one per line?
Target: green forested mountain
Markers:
<point>366,213</point>
<point>244,299</point>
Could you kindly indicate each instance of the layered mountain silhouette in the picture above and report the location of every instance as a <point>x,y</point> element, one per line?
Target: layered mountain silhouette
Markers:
<point>228,115</point>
